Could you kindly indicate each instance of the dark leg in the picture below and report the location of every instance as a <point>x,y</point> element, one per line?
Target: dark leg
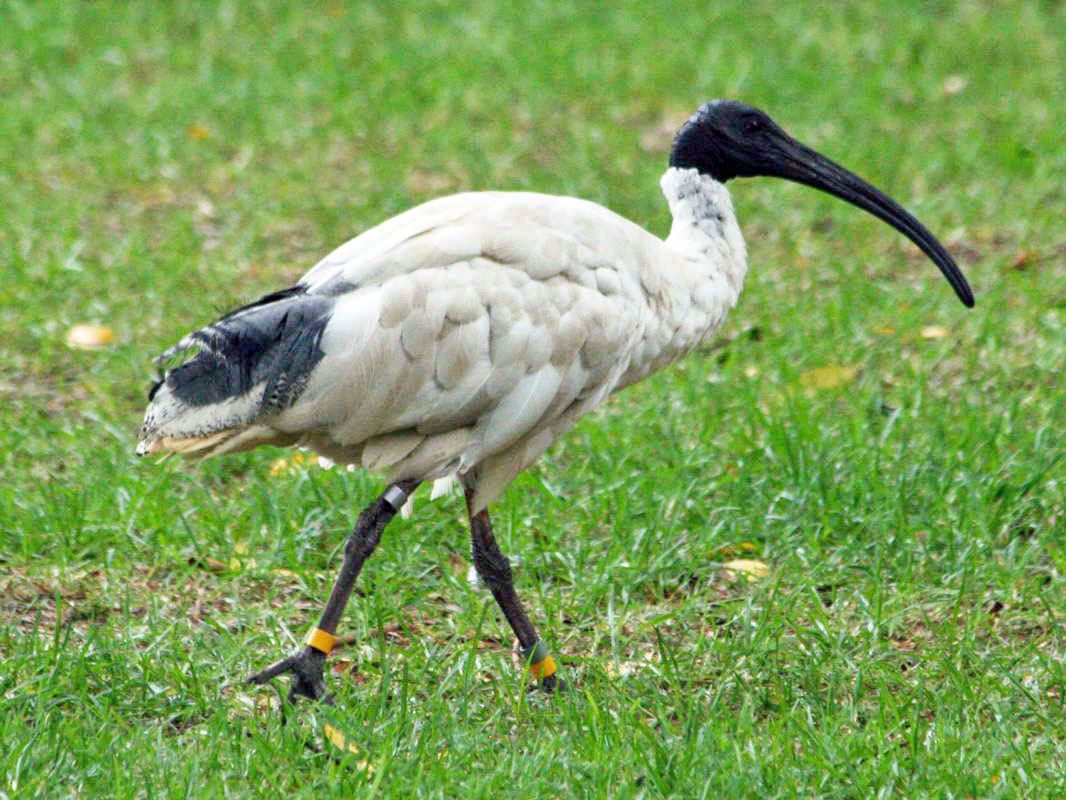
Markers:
<point>495,571</point>
<point>306,664</point>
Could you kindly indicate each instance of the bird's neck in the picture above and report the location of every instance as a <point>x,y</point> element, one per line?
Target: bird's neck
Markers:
<point>697,280</point>
<point>705,229</point>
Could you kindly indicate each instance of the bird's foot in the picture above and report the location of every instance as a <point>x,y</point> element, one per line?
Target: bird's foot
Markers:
<point>553,684</point>
<point>306,666</point>
<point>542,668</point>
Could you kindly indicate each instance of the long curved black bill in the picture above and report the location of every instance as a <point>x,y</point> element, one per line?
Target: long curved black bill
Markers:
<point>803,165</point>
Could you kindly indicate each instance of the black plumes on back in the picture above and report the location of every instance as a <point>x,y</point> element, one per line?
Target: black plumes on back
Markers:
<point>267,299</point>
<point>274,341</point>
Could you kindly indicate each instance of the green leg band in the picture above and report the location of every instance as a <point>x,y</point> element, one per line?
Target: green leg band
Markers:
<point>535,654</point>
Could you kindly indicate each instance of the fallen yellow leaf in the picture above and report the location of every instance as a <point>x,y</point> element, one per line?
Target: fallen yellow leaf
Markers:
<point>338,739</point>
<point>884,330</point>
<point>197,131</point>
<point>830,377</point>
<point>90,337</point>
<point>749,568</point>
<point>934,332</point>
<point>954,84</point>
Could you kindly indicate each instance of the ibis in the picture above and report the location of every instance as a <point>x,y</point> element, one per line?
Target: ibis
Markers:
<point>458,340</point>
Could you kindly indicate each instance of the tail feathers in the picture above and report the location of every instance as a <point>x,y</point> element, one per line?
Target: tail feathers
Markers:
<point>250,363</point>
<point>231,440</point>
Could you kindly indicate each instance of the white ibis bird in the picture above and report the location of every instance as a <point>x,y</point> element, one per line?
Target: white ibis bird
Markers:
<point>462,337</point>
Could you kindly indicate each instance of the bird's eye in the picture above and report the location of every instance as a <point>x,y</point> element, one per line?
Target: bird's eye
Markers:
<point>752,125</point>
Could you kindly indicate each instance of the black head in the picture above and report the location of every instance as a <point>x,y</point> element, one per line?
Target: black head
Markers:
<point>727,139</point>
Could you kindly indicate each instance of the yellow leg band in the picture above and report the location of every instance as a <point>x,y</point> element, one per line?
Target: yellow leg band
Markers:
<point>543,669</point>
<point>541,665</point>
<point>320,640</point>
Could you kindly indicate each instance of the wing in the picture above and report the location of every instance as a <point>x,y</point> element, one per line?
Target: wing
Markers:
<point>440,368</point>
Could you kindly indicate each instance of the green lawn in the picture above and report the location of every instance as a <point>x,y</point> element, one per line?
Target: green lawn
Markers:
<point>895,460</point>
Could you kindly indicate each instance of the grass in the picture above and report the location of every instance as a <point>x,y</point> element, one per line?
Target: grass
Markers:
<point>895,460</point>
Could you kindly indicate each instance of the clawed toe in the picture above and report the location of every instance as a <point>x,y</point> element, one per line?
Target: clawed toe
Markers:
<point>306,667</point>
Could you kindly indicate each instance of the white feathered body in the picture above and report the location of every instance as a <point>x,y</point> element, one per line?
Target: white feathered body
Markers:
<point>467,333</point>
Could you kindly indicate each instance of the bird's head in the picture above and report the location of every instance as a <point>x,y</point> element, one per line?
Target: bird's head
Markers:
<point>727,139</point>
